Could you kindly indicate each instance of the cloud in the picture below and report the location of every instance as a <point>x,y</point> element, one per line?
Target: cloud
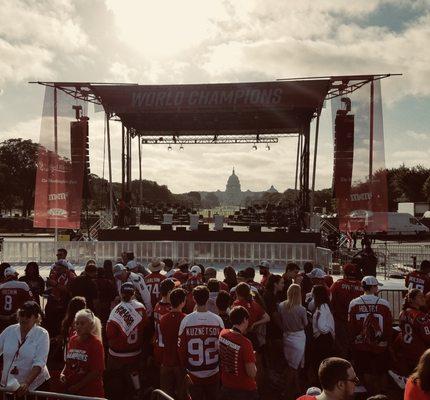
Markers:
<point>417,135</point>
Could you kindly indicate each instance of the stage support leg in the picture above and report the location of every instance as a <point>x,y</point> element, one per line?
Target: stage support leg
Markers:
<point>123,162</point>
<point>299,139</point>
<point>304,189</point>
<point>128,166</point>
<point>372,94</point>
<point>110,167</point>
<point>55,148</point>
<point>314,166</point>
<point>140,172</point>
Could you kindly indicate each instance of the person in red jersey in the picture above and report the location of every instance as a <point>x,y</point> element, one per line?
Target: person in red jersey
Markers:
<point>343,292</point>
<point>83,373</point>
<point>370,327</point>
<point>257,315</point>
<point>182,270</point>
<point>194,279</point>
<point>418,384</point>
<point>419,279</point>
<point>13,294</point>
<point>338,380</point>
<point>58,295</point>
<point>264,269</point>
<point>198,348</point>
<point>154,279</point>
<point>237,359</point>
<point>125,336</point>
<point>171,374</point>
<point>415,330</point>
<point>161,308</point>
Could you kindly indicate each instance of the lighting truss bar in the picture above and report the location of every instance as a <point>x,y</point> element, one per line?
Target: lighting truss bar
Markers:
<point>210,140</point>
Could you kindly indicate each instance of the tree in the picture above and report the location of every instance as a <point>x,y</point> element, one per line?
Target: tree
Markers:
<point>210,201</point>
<point>19,177</point>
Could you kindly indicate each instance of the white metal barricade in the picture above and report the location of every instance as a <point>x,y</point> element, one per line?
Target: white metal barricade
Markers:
<point>217,253</point>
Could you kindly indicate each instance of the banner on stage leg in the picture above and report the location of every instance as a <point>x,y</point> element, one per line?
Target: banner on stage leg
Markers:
<point>59,180</point>
<point>360,178</point>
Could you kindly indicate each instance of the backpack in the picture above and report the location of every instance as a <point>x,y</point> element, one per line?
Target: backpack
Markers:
<point>371,331</point>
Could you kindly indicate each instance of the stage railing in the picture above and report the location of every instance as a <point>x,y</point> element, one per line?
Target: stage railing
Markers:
<point>207,253</point>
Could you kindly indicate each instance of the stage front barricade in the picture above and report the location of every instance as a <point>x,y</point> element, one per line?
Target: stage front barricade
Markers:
<point>207,253</point>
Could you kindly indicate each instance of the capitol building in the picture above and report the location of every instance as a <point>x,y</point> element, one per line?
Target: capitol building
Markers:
<point>233,194</point>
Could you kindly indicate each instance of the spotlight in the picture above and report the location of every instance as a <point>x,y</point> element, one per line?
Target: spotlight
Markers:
<point>181,147</point>
<point>169,148</point>
<point>267,147</point>
<point>254,147</point>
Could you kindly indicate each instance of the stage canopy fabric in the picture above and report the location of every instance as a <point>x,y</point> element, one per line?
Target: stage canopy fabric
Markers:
<point>208,109</point>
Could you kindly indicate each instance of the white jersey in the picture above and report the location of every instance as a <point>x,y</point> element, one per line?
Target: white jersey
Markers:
<point>141,288</point>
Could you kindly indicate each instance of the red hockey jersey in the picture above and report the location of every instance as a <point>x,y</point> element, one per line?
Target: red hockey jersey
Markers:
<point>359,310</point>
<point>124,329</point>
<point>153,281</point>
<point>415,333</point>
<point>159,310</point>
<point>343,292</point>
<point>13,294</point>
<point>418,280</point>
<point>199,346</point>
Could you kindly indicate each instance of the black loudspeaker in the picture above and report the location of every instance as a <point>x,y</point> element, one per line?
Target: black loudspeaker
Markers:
<point>166,227</point>
<point>181,229</point>
<point>227,229</point>
<point>80,157</point>
<point>280,230</point>
<point>134,228</point>
<point>203,227</point>
<point>255,228</point>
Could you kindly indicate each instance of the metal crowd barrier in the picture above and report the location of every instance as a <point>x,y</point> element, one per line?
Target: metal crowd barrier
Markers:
<point>398,254</point>
<point>159,394</point>
<point>395,298</point>
<point>207,253</point>
<point>36,394</point>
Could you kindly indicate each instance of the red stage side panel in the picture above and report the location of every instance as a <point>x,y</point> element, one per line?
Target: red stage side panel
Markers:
<point>222,108</point>
<point>59,177</point>
<point>361,194</point>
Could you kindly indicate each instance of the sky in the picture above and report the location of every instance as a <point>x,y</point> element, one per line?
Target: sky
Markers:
<point>199,41</point>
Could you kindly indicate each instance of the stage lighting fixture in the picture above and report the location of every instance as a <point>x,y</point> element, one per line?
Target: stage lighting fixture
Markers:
<point>254,147</point>
<point>169,148</point>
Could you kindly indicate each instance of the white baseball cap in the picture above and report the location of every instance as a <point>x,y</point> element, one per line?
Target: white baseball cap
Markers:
<point>195,270</point>
<point>10,271</point>
<point>371,281</point>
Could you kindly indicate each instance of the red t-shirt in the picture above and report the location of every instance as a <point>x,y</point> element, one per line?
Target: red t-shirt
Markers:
<point>307,397</point>
<point>169,328</point>
<point>235,351</point>
<point>81,359</point>
<point>418,280</point>
<point>153,281</point>
<point>414,392</point>
<point>256,312</point>
<point>343,292</point>
<point>159,310</point>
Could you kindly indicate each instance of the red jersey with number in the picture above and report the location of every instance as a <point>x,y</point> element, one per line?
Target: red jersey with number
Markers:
<point>418,280</point>
<point>255,311</point>
<point>153,281</point>
<point>159,310</point>
<point>125,328</point>
<point>235,351</point>
<point>81,359</point>
<point>13,294</point>
<point>343,292</point>
<point>169,328</point>
<point>415,333</point>
<point>359,310</point>
<point>199,347</point>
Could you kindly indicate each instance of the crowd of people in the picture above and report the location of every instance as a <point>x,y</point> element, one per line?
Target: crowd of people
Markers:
<point>122,329</point>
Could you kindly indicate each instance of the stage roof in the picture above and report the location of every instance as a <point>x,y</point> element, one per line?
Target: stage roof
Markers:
<point>276,107</point>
